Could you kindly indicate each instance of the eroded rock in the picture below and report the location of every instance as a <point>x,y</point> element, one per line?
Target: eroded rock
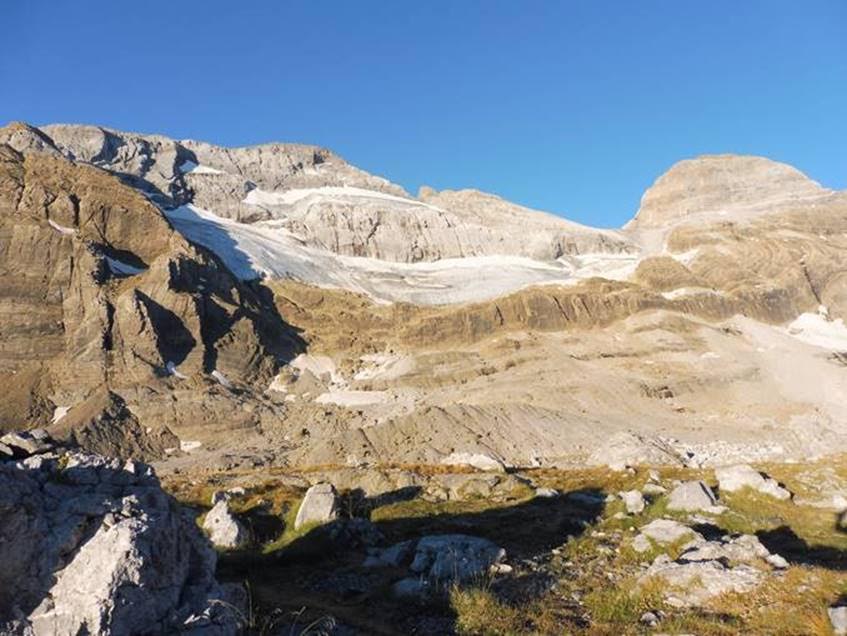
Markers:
<point>94,545</point>
<point>691,496</point>
<point>320,505</point>
<point>740,476</point>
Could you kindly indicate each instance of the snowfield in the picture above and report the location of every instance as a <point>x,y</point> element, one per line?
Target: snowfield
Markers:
<point>263,251</point>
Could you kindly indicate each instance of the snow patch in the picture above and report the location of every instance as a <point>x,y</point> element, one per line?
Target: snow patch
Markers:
<point>322,367</point>
<point>257,196</point>
<point>188,446</point>
<point>221,378</point>
<point>189,167</point>
<point>819,331</point>
<point>172,370</point>
<point>384,366</point>
<point>59,412</point>
<point>688,291</point>
<point>352,398</point>
<point>61,229</point>
<point>479,461</point>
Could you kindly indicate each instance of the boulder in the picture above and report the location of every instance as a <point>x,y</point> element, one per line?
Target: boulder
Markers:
<point>94,545</point>
<point>320,505</point>
<point>738,477</point>
<point>691,496</point>
<point>695,583</point>
<point>741,549</point>
<point>665,531</point>
<point>454,557</point>
<point>633,500</point>
<point>838,620</point>
<point>225,531</point>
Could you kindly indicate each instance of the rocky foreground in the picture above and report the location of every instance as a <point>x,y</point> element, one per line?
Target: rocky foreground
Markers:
<point>94,545</point>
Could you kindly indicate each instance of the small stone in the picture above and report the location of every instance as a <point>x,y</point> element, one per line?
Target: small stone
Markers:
<point>777,561</point>
<point>649,618</point>
<point>633,500</point>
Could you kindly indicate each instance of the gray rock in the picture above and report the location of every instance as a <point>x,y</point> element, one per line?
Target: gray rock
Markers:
<point>320,505</point>
<point>633,500</point>
<point>735,478</point>
<point>665,531</point>
<point>691,496</point>
<point>225,531</point>
<point>742,549</point>
<point>411,587</point>
<point>24,443</point>
<point>838,620</point>
<point>107,552</point>
<point>641,544</point>
<point>777,561</point>
<point>393,556</point>
<point>694,584</point>
<point>455,557</point>
<point>653,490</point>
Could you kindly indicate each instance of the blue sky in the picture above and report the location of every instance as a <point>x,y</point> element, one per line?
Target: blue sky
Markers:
<point>572,107</point>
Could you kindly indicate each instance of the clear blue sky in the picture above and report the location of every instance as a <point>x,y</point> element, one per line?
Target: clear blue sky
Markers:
<point>572,107</point>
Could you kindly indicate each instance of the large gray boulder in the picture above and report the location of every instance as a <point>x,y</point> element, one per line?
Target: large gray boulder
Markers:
<point>320,505</point>
<point>455,557</point>
<point>691,496</point>
<point>94,545</point>
<point>838,620</point>
<point>225,531</point>
<point>735,478</point>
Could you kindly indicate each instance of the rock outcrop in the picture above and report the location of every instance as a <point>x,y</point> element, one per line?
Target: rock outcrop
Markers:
<point>319,505</point>
<point>93,545</point>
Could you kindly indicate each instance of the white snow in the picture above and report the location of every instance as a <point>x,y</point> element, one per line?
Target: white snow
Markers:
<point>59,412</point>
<point>687,291</point>
<point>189,167</point>
<point>255,251</point>
<point>352,398</point>
<point>290,197</point>
<point>221,378</point>
<point>480,461</point>
<point>120,268</point>
<point>322,367</point>
<point>188,446</point>
<point>686,258</point>
<point>61,229</point>
<point>818,330</point>
<point>172,370</point>
<point>384,366</point>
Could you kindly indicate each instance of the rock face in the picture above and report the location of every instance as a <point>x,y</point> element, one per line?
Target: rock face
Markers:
<point>725,184</point>
<point>115,299</point>
<point>735,478</point>
<point>320,505</point>
<point>225,531</point>
<point>691,496</point>
<point>93,545</point>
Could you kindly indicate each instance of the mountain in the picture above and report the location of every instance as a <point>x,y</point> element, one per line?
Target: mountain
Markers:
<point>276,302</point>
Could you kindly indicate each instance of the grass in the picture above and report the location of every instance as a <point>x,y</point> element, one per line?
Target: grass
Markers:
<point>597,566</point>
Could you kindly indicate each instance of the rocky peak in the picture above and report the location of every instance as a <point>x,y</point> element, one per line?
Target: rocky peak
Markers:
<point>714,185</point>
